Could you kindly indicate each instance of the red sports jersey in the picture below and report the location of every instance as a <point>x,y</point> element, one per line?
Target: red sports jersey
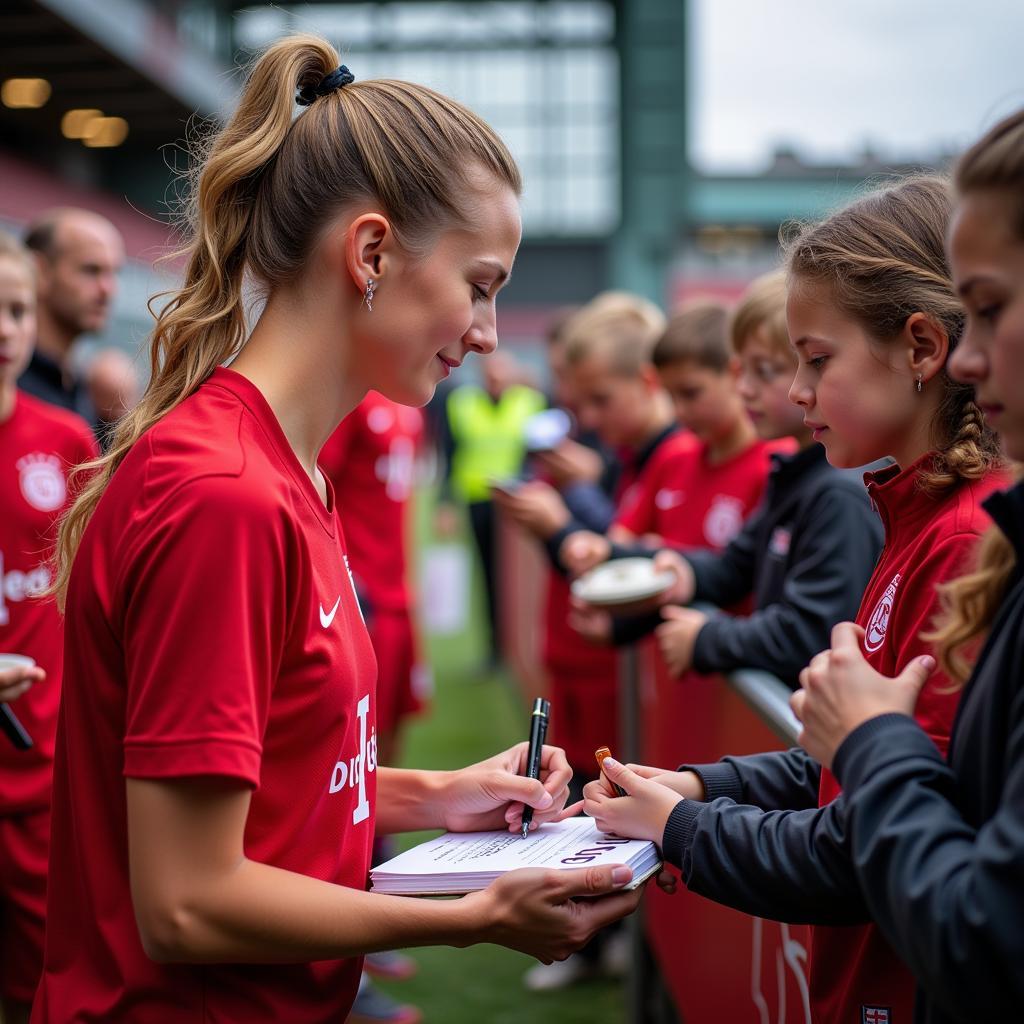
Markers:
<point>928,541</point>
<point>370,459</point>
<point>690,502</point>
<point>39,444</point>
<point>212,629</point>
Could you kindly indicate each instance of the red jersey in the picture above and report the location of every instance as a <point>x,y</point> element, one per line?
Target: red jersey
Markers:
<point>371,460</point>
<point>212,629</point>
<point>39,443</point>
<point>690,502</point>
<point>928,541</point>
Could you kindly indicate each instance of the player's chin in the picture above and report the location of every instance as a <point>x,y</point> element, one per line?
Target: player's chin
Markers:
<point>414,394</point>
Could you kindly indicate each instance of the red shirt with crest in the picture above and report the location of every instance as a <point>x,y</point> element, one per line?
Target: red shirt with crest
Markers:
<point>39,445</point>
<point>690,502</point>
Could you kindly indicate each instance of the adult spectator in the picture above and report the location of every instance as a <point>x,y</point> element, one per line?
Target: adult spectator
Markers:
<point>78,256</point>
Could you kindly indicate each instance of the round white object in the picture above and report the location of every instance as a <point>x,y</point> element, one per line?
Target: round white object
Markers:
<point>622,581</point>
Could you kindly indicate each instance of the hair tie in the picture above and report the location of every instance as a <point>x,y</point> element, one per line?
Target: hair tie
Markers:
<point>335,80</point>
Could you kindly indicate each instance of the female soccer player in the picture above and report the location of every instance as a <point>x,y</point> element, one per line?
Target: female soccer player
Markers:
<point>216,786</point>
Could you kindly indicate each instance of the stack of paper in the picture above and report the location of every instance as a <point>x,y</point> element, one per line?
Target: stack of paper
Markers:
<point>461,862</point>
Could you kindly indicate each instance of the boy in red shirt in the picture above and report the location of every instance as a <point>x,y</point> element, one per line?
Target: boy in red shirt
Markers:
<point>618,397</point>
<point>699,489</point>
<point>39,443</point>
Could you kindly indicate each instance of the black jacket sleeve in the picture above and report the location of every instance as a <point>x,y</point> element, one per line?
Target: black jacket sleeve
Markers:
<point>589,509</point>
<point>589,506</point>
<point>833,555</point>
<point>726,577</point>
<point>786,865</point>
<point>777,780</point>
<point>950,898</point>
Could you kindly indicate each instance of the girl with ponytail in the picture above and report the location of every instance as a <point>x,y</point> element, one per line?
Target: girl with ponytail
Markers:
<point>216,782</point>
<point>938,845</point>
<point>873,316</point>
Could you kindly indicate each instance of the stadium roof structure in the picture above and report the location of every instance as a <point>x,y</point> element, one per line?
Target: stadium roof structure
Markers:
<point>107,60</point>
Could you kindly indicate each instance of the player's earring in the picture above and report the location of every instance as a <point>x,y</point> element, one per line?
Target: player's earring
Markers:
<point>919,387</point>
<point>368,297</point>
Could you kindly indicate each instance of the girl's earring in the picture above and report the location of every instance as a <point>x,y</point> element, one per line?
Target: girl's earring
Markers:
<point>371,285</point>
<point>919,386</point>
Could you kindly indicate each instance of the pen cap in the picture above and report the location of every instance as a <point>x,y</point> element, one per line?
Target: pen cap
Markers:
<point>542,707</point>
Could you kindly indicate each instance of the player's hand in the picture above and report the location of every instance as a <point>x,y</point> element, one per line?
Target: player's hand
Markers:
<point>582,550</point>
<point>571,463</point>
<point>535,506</point>
<point>16,682</point>
<point>551,914</point>
<point>841,691</point>
<point>491,793</point>
<point>677,637</point>
<point>682,591</point>
<point>641,814</point>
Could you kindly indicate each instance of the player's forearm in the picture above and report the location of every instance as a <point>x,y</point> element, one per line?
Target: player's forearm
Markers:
<point>263,914</point>
<point>409,800</point>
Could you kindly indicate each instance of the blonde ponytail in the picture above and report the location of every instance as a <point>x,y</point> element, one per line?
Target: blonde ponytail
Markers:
<point>268,184</point>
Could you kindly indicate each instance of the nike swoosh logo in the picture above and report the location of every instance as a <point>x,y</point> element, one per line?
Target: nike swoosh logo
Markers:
<point>327,618</point>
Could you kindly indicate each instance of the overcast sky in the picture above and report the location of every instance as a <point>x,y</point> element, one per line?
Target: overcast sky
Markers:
<point>911,77</point>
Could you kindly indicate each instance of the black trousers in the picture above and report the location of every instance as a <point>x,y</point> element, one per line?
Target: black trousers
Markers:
<point>482,520</point>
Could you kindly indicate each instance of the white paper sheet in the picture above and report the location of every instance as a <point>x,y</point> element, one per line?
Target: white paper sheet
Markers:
<point>464,862</point>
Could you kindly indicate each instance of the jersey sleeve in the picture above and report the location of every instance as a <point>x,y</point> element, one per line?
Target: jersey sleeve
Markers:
<point>787,865</point>
<point>776,780</point>
<point>205,598</point>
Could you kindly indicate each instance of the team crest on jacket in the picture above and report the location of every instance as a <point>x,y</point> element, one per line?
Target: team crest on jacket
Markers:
<point>874,632</point>
<point>42,481</point>
<point>780,541</point>
<point>724,520</point>
<point>875,1015</point>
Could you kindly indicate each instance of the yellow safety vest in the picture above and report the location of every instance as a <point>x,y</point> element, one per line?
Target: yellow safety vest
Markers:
<point>488,436</point>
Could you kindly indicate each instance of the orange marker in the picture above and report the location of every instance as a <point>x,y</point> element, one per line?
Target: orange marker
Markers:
<point>601,753</point>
